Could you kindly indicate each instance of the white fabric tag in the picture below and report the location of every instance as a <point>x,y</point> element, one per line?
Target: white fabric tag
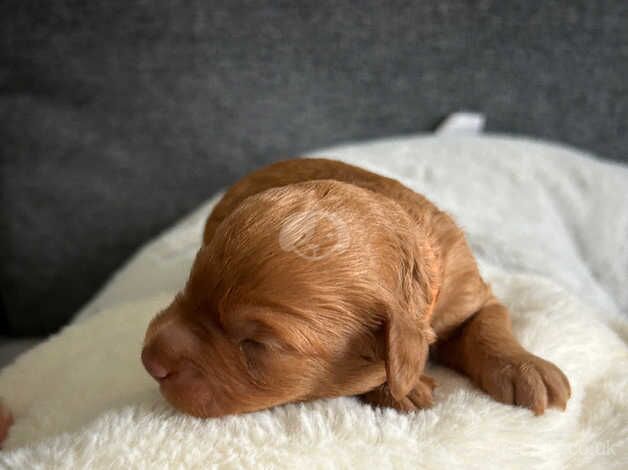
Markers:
<point>462,122</point>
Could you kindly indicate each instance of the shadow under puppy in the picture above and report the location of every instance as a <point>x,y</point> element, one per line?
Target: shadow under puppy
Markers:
<point>320,279</point>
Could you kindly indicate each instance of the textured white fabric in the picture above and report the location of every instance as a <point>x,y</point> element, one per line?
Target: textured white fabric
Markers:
<point>549,226</point>
<point>463,122</point>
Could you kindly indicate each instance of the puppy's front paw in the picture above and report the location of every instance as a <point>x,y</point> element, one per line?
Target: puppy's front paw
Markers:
<point>420,397</point>
<point>6,420</point>
<point>526,380</point>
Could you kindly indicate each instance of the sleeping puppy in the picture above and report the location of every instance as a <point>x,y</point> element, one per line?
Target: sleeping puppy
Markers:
<point>319,279</point>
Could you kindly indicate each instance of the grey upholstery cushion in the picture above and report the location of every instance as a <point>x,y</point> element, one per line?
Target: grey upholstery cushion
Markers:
<point>117,117</point>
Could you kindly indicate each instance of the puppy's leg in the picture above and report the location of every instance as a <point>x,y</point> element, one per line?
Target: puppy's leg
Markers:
<point>485,349</point>
<point>420,397</point>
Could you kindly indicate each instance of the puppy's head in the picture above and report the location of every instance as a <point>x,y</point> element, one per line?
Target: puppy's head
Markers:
<point>306,291</point>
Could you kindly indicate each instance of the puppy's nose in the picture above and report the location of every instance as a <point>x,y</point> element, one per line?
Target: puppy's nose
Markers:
<point>153,366</point>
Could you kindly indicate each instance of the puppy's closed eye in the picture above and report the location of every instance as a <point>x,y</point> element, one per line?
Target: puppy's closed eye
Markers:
<point>252,350</point>
<point>251,346</point>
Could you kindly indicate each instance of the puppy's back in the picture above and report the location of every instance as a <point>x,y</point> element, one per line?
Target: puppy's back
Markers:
<point>307,169</point>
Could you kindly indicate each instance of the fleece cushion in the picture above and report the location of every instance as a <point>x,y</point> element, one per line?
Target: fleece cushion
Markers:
<point>548,226</point>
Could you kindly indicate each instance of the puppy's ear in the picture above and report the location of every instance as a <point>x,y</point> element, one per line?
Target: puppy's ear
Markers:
<point>408,331</point>
<point>407,347</point>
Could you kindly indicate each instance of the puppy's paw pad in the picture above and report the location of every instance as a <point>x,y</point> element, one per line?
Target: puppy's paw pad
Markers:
<point>527,381</point>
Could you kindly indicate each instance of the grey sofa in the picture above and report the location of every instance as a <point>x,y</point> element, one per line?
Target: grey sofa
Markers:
<point>118,117</point>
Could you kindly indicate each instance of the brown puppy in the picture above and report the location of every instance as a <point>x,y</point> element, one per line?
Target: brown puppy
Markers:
<point>319,279</point>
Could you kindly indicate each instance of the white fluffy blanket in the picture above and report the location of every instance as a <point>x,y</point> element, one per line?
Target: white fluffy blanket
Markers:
<point>549,226</point>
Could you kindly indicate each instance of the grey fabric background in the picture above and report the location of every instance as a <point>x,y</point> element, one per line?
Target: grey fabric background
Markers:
<point>117,117</point>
